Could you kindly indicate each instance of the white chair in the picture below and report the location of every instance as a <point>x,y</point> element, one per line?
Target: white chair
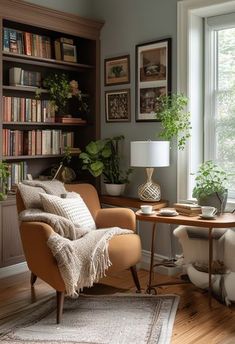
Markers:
<point>194,242</point>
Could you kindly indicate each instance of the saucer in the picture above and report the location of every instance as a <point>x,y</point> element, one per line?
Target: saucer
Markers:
<point>207,217</point>
<point>142,213</point>
<point>168,214</point>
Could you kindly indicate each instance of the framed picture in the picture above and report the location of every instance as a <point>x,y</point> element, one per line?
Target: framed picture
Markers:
<point>117,70</point>
<point>69,52</point>
<point>153,77</point>
<point>117,106</point>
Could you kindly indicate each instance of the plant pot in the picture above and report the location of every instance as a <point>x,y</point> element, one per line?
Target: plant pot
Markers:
<point>114,189</point>
<point>215,200</point>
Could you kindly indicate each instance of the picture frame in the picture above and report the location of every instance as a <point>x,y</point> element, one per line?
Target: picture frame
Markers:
<point>153,77</point>
<point>117,70</point>
<point>69,52</point>
<point>117,106</point>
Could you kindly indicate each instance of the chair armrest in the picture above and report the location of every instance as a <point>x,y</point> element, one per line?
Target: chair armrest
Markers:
<point>116,217</point>
<point>41,262</point>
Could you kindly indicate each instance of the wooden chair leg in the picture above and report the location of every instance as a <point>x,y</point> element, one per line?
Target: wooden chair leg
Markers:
<point>135,278</point>
<point>33,279</point>
<point>60,305</point>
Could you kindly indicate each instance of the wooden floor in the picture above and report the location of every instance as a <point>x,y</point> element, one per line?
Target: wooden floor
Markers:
<point>195,322</point>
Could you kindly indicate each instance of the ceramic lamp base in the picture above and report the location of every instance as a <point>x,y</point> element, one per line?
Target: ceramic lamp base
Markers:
<point>149,191</point>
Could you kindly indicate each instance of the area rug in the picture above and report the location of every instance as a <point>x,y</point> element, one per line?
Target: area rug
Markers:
<point>116,319</point>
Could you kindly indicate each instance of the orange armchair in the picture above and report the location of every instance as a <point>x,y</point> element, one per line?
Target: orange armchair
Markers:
<point>124,250</point>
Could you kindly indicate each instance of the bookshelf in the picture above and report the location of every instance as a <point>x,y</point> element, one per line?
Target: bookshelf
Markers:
<point>34,34</point>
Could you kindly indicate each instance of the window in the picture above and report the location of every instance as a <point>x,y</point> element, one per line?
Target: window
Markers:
<point>219,116</point>
<point>202,80</point>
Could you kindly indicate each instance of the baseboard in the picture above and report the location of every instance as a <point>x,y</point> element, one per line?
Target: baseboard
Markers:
<point>164,270</point>
<point>13,270</point>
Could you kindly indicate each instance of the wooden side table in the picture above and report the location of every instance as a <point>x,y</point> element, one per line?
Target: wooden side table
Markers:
<point>130,202</point>
<point>222,221</point>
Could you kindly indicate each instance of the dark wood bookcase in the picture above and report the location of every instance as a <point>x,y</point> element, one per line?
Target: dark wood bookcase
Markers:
<point>25,17</point>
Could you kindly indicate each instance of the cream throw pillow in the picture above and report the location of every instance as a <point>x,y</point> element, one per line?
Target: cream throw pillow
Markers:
<point>73,209</point>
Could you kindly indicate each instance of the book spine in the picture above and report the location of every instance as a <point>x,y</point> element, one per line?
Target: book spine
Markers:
<point>27,43</point>
<point>13,41</point>
<point>6,40</point>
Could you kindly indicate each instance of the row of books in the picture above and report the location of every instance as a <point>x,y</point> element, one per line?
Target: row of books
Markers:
<point>18,172</point>
<point>188,209</point>
<point>36,142</point>
<point>17,109</point>
<point>21,77</point>
<point>20,42</point>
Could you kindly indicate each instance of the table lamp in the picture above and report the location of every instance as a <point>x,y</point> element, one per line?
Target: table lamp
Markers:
<point>150,154</point>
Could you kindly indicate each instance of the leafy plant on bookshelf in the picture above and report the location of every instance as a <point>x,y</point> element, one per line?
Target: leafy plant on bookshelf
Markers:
<point>4,174</point>
<point>64,95</point>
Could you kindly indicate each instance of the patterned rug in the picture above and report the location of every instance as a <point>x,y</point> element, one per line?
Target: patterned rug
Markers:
<point>108,319</point>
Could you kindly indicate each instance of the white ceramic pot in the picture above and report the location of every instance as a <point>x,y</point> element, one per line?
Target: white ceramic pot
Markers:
<point>115,189</point>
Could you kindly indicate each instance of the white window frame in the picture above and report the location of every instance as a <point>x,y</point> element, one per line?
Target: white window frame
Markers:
<point>190,74</point>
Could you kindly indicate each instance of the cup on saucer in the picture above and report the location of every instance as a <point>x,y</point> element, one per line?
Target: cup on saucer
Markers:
<point>208,211</point>
<point>146,209</point>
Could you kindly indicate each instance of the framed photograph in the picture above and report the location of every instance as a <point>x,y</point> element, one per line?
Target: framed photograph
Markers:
<point>153,77</point>
<point>117,70</point>
<point>117,106</point>
<point>69,52</point>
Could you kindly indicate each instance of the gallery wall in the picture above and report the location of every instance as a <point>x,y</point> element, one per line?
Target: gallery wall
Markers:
<point>128,23</point>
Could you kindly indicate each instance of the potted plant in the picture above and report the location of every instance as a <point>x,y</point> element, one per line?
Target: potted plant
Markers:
<point>4,174</point>
<point>102,157</point>
<point>210,188</point>
<point>174,119</point>
<point>62,92</point>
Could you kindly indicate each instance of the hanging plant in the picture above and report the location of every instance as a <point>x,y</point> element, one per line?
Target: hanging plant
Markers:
<point>174,119</point>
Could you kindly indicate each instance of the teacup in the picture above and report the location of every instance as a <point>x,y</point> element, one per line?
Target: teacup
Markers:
<point>208,211</point>
<point>146,209</point>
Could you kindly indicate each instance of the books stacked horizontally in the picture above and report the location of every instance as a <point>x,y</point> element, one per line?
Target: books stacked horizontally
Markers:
<point>188,209</point>
<point>65,50</point>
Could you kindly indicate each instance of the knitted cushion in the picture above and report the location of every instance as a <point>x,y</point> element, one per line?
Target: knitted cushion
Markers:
<point>30,196</point>
<point>73,209</point>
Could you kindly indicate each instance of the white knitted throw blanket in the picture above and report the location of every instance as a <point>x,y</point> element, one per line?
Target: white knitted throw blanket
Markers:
<point>82,256</point>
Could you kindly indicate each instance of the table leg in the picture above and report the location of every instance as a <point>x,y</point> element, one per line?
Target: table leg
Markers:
<point>149,288</point>
<point>210,264</point>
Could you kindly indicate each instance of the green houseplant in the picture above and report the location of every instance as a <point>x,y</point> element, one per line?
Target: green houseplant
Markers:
<point>59,91</point>
<point>174,119</point>
<point>210,187</point>
<point>102,157</point>
<point>4,174</point>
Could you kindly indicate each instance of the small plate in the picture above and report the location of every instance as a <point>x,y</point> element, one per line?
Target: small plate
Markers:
<point>141,212</point>
<point>207,217</point>
<point>168,214</point>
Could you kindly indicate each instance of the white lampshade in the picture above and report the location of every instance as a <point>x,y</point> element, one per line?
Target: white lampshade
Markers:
<point>150,153</point>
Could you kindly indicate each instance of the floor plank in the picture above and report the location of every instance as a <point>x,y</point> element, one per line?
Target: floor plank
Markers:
<point>195,321</point>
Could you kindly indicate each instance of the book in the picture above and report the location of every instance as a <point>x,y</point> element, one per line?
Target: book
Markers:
<point>57,50</point>
<point>6,40</point>
<point>13,41</point>
<point>187,206</point>
<point>69,120</point>
<point>65,40</point>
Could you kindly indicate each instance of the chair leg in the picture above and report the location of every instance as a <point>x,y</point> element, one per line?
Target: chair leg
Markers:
<point>135,278</point>
<point>60,305</point>
<point>33,279</point>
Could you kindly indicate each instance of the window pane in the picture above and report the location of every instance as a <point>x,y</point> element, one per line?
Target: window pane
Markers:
<point>225,105</point>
